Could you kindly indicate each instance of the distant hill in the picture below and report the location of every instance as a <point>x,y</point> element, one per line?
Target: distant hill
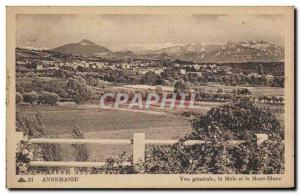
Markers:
<point>33,53</point>
<point>84,47</point>
<point>231,52</point>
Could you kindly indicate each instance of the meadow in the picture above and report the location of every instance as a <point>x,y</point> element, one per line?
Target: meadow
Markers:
<point>115,124</point>
<point>257,91</point>
<point>107,124</point>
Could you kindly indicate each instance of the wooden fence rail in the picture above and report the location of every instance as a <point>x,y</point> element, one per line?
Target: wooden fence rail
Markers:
<point>138,142</point>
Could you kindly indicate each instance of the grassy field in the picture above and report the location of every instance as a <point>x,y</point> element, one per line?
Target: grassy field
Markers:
<point>108,124</point>
<point>62,119</point>
<point>145,87</point>
<point>258,91</point>
<point>116,124</point>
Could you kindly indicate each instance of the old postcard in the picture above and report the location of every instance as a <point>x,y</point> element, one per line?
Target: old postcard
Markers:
<point>150,97</point>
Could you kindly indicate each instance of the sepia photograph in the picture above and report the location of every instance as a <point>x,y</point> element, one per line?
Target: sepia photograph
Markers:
<point>150,97</point>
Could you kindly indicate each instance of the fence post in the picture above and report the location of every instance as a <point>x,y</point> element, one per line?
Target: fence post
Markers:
<point>138,148</point>
<point>72,171</point>
<point>260,138</point>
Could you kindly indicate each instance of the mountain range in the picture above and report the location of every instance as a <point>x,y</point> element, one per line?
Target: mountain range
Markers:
<point>230,52</point>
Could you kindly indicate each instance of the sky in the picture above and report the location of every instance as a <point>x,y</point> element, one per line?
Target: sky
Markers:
<point>139,32</point>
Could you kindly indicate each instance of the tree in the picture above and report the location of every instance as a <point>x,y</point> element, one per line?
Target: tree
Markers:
<point>81,151</point>
<point>158,90</point>
<point>19,98</point>
<point>48,98</point>
<point>35,128</point>
<point>238,121</point>
<point>30,97</point>
<point>180,86</point>
<point>260,69</point>
<point>151,78</point>
<point>78,89</point>
<point>220,90</point>
<point>51,98</point>
<point>243,91</point>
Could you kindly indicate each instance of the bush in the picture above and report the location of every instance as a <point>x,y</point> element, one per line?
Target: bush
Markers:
<point>151,78</point>
<point>114,165</point>
<point>81,151</point>
<point>239,121</point>
<point>180,86</point>
<point>35,128</point>
<point>243,91</point>
<point>159,90</point>
<point>30,97</point>
<point>19,98</point>
<point>78,89</point>
<point>48,98</point>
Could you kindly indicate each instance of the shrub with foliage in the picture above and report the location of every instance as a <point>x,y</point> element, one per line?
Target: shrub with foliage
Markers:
<point>35,128</point>
<point>238,121</point>
<point>180,86</point>
<point>19,98</point>
<point>30,97</point>
<point>48,98</point>
<point>81,151</point>
<point>151,78</point>
<point>78,89</point>
<point>114,165</point>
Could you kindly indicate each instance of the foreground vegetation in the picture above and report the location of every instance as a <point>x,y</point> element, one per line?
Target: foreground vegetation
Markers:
<point>237,121</point>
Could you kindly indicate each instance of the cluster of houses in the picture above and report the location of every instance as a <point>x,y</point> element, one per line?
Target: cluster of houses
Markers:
<point>169,69</point>
<point>200,70</point>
